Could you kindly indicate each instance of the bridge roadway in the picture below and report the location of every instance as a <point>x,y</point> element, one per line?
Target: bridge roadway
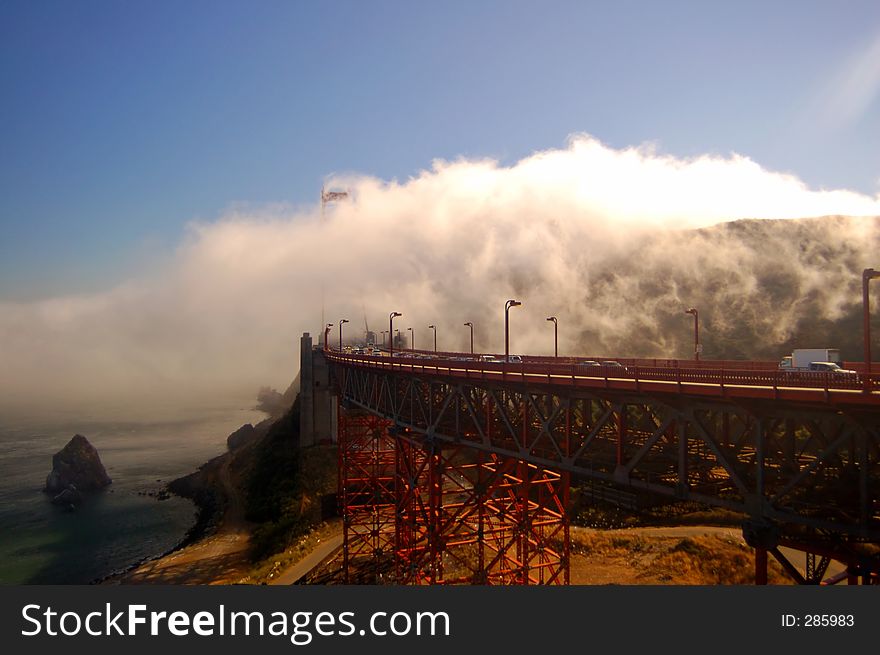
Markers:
<point>798,454</point>
<point>731,379</point>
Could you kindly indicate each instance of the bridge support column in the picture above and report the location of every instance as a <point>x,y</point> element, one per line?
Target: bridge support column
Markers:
<point>468,518</point>
<point>411,539</point>
<point>760,566</point>
<point>420,511</point>
<point>526,524</point>
<point>682,485</point>
<point>318,402</point>
<point>852,575</point>
<point>814,570</point>
<point>366,496</point>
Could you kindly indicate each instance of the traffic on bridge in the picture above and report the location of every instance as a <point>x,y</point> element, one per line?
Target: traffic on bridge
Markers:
<point>452,448</point>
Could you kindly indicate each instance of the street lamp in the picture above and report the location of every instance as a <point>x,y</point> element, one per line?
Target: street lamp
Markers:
<point>555,335</point>
<point>434,327</point>
<point>697,346</point>
<point>391,332</point>
<point>471,326</point>
<point>412,339</point>
<point>326,332</point>
<point>507,306</point>
<point>344,320</point>
<point>867,275</point>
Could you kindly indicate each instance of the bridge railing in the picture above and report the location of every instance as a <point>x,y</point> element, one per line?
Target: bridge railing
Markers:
<point>719,374</point>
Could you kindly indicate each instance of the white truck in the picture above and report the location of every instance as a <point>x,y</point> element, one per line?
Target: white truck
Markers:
<point>817,360</point>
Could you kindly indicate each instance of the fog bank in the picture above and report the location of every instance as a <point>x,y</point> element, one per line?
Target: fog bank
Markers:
<point>616,243</point>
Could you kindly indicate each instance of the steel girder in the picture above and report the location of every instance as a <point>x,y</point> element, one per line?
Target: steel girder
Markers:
<point>468,517</point>
<point>811,473</point>
<point>448,514</point>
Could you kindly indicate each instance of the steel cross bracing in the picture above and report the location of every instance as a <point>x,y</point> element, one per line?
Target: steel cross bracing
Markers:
<point>367,459</point>
<point>476,518</point>
<point>805,473</point>
<point>422,512</point>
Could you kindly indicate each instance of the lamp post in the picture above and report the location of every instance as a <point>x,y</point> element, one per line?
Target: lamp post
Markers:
<point>697,347</point>
<point>344,320</point>
<point>327,329</point>
<point>471,326</point>
<point>391,332</point>
<point>867,275</point>
<point>507,306</point>
<point>434,327</point>
<point>412,339</point>
<point>555,335</point>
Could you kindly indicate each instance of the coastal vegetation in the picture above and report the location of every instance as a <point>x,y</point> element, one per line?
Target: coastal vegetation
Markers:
<point>288,490</point>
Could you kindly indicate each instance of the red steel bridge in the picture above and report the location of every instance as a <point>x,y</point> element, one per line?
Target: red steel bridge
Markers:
<point>454,470</point>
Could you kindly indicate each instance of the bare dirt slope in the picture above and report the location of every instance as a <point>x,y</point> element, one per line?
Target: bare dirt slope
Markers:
<point>683,555</point>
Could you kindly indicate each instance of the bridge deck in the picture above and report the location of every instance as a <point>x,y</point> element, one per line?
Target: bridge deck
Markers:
<point>727,380</point>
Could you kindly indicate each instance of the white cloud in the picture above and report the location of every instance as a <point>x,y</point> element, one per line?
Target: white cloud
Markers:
<point>449,245</point>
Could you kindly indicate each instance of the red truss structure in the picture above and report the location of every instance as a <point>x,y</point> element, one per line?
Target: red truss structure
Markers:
<point>533,500</point>
<point>451,514</point>
<point>366,493</point>
<point>483,446</point>
<point>467,517</point>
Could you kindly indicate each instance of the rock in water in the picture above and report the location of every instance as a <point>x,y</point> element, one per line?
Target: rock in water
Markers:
<point>77,465</point>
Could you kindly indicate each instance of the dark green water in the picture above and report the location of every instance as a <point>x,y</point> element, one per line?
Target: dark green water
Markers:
<point>114,529</point>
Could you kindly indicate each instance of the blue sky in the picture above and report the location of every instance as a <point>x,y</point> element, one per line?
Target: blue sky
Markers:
<point>122,122</point>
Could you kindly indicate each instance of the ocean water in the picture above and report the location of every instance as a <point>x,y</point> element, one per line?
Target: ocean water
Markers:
<point>115,528</point>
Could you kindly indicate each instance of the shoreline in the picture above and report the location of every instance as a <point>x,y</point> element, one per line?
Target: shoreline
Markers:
<point>207,500</point>
<point>223,546</point>
<point>206,497</point>
<point>216,548</point>
<point>212,492</point>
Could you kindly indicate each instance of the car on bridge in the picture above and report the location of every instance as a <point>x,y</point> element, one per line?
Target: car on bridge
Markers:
<point>818,370</point>
<point>589,363</point>
<point>514,359</point>
<point>614,367</point>
<point>830,367</point>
